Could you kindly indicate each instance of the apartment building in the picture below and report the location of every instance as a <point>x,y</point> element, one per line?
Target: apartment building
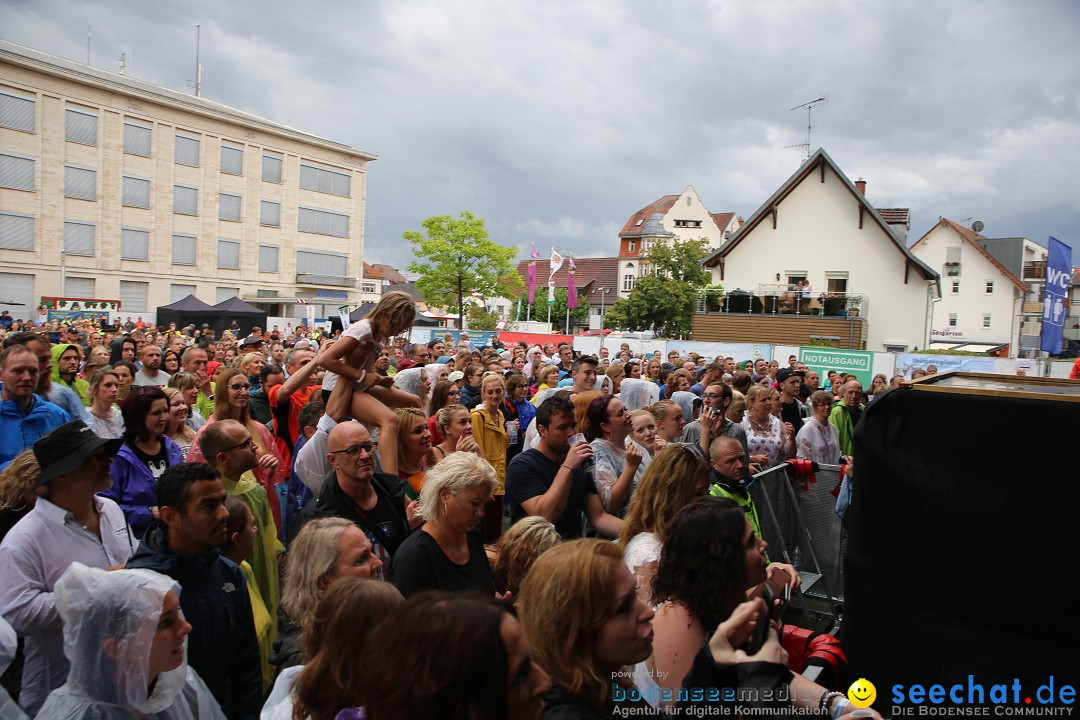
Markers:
<point>114,188</point>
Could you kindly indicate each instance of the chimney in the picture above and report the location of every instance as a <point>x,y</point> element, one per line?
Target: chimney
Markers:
<point>860,185</point>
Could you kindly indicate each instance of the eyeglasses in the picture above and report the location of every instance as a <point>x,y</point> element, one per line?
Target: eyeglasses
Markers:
<point>355,450</point>
<point>237,387</point>
<point>712,395</point>
<point>250,442</point>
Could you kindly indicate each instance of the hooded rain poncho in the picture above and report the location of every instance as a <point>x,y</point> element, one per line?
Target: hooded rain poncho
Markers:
<point>124,607</point>
<point>636,393</point>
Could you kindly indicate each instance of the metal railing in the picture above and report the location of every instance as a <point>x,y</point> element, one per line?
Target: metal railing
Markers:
<point>783,300</point>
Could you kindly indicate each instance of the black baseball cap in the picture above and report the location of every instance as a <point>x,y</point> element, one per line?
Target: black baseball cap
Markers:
<point>67,447</point>
<point>787,372</point>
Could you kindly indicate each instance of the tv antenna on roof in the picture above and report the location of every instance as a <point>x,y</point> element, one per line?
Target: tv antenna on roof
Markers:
<point>197,84</point>
<point>823,100</point>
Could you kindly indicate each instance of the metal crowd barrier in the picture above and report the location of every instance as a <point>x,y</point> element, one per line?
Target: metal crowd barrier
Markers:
<point>791,517</point>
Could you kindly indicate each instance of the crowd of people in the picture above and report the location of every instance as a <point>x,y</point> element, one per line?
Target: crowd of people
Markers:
<point>292,526</point>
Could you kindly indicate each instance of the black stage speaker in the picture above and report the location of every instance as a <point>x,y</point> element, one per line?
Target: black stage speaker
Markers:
<point>963,536</point>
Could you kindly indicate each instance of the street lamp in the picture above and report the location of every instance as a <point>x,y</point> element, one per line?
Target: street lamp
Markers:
<point>603,294</point>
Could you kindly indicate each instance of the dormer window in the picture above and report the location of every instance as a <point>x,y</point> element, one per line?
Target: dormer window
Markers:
<point>640,222</point>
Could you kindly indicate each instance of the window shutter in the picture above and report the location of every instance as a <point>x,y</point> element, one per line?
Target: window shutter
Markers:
<point>80,127</point>
<point>183,250</point>
<point>79,238</point>
<point>229,254</point>
<point>16,231</point>
<point>323,222</point>
<point>16,172</point>
<point>134,244</point>
<point>80,183</point>
<point>136,140</point>
<point>136,192</point>
<point>16,112</point>
<point>185,200</point>
<point>187,150</point>
<point>268,258</point>
<point>232,160</point>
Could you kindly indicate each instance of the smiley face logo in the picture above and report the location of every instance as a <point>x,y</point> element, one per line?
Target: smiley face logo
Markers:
<point>862,693</point>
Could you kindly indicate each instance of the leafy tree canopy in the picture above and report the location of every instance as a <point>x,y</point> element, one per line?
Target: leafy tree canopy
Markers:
<point>456,258</point>
<point>663,300</point>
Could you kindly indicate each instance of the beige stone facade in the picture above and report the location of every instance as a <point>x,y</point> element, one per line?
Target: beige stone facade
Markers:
<point>153,194</point>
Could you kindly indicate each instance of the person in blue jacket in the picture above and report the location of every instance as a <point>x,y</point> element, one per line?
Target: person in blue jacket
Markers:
<point>24,417</point>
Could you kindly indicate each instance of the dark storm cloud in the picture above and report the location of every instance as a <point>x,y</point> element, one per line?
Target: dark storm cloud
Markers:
<point>557,120</point>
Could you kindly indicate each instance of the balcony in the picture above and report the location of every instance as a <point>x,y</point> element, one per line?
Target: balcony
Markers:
<point>317,279</point>
<point>775,314</point>
<point>1035,270</point>
<point>780,300</point>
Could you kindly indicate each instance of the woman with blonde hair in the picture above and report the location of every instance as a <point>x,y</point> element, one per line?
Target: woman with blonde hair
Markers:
<point>232,401</point>
<point>581,613</point>
<point>737,407</point>
<point>445,554</point>
<point>517,550</point>
<point>616,373</point>
<point>17,489</point>
<point>251,364</point>
<point>177,429</point>
<point>548,377</point>
<point>104,390</point>
<point>669,420</point>
<point>493,438</point>
<point>677,476</point>
<point>455,426</point>
<point>413,454</point>
<point>768,440</point>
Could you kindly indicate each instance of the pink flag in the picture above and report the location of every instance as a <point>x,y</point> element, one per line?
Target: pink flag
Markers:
<point>571,291</point>
<point>534,256</point>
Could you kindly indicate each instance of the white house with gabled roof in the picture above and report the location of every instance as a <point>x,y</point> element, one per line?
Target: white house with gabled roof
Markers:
<point>982,300</point>
<point>819,227</point>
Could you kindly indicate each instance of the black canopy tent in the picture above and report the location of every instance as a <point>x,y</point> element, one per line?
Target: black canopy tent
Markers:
<point>187,311</point>
<point>365,309</point>
<point>246,316</point>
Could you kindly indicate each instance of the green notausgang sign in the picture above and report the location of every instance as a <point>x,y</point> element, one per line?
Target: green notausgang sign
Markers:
<point>859,363</point>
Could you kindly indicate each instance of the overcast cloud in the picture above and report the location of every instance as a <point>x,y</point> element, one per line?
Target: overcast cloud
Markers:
<point>556,120</point>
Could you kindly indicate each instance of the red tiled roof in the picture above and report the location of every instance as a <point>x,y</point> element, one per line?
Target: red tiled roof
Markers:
<point>894,216</point>
<point>637,220</point>
<point>389,273</point>
<point>722,220</point>
<point>590,273</point>
<point>372,273</point>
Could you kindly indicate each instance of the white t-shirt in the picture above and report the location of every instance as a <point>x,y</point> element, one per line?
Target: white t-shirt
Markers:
<point>359,331</point>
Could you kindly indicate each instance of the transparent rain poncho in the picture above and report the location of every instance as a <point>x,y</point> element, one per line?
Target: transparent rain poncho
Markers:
<point>120,610</point>
<point>636,394</point>
<point>410,381</point>
<point>8,641</point>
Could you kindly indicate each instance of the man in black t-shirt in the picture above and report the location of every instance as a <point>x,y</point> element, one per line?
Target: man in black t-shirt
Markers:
<point>791,410</point>
<point>374,501</point>
<point>547,480</point>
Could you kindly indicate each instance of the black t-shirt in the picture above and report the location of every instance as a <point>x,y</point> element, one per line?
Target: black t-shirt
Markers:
<point>420,564</point>
<point>157,463</point>
<point>792,413</point>
<point>530,474</point>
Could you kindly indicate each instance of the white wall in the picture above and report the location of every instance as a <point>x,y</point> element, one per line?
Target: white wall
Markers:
<point>972,301</point>
<point>818,232</point>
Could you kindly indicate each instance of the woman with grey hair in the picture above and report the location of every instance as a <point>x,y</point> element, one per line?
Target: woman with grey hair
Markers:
<point>445,554</point>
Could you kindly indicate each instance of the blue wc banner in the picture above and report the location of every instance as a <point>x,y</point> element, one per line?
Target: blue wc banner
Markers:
<point>1058,275</point>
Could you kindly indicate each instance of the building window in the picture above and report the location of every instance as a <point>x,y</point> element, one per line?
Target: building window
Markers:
<point>80,182</point>
<point>955,287</point>
<point>322,263</point>
<point>630,246</point>
<point>136,192</point>
<point>80,126</point>
<point>986,321</point>
<point>627,283</point>
<point>367,287</point>
<point>324,181</point>
<point>952,319</point>
<point>270,213</point>
<point>16,111</point>
<point>134,244</point>
<point>78,238</point>
<point>133,296</point>
<point>187,150</point>
<point>268,258</point>
<point>271,168</point>
<point>16,231</point>
<point>989,287</point>
<point>16,172</point>
<point>228,257</point>
<point>232,160</point>
<point>323,222</point>
<point>183,250</point>
<point>836,283</point>
<point>952,255</point>
<point>229,206</point>
<point>227,293</point>
<point>179,292</point>
<point>688,223</point>
<point>77,287</point>
<point>185,200</point>
<point>136,139</point>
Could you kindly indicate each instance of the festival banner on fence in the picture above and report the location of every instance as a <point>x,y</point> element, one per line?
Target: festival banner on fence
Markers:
<point>907,362</point>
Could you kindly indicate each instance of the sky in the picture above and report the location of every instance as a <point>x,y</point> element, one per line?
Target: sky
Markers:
<point>557,120</point>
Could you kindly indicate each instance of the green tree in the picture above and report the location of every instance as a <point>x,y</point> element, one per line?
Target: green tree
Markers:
<point>664,298</point>
<point>578,316</point>
<point>481,319</point>
<point>457,259</point>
